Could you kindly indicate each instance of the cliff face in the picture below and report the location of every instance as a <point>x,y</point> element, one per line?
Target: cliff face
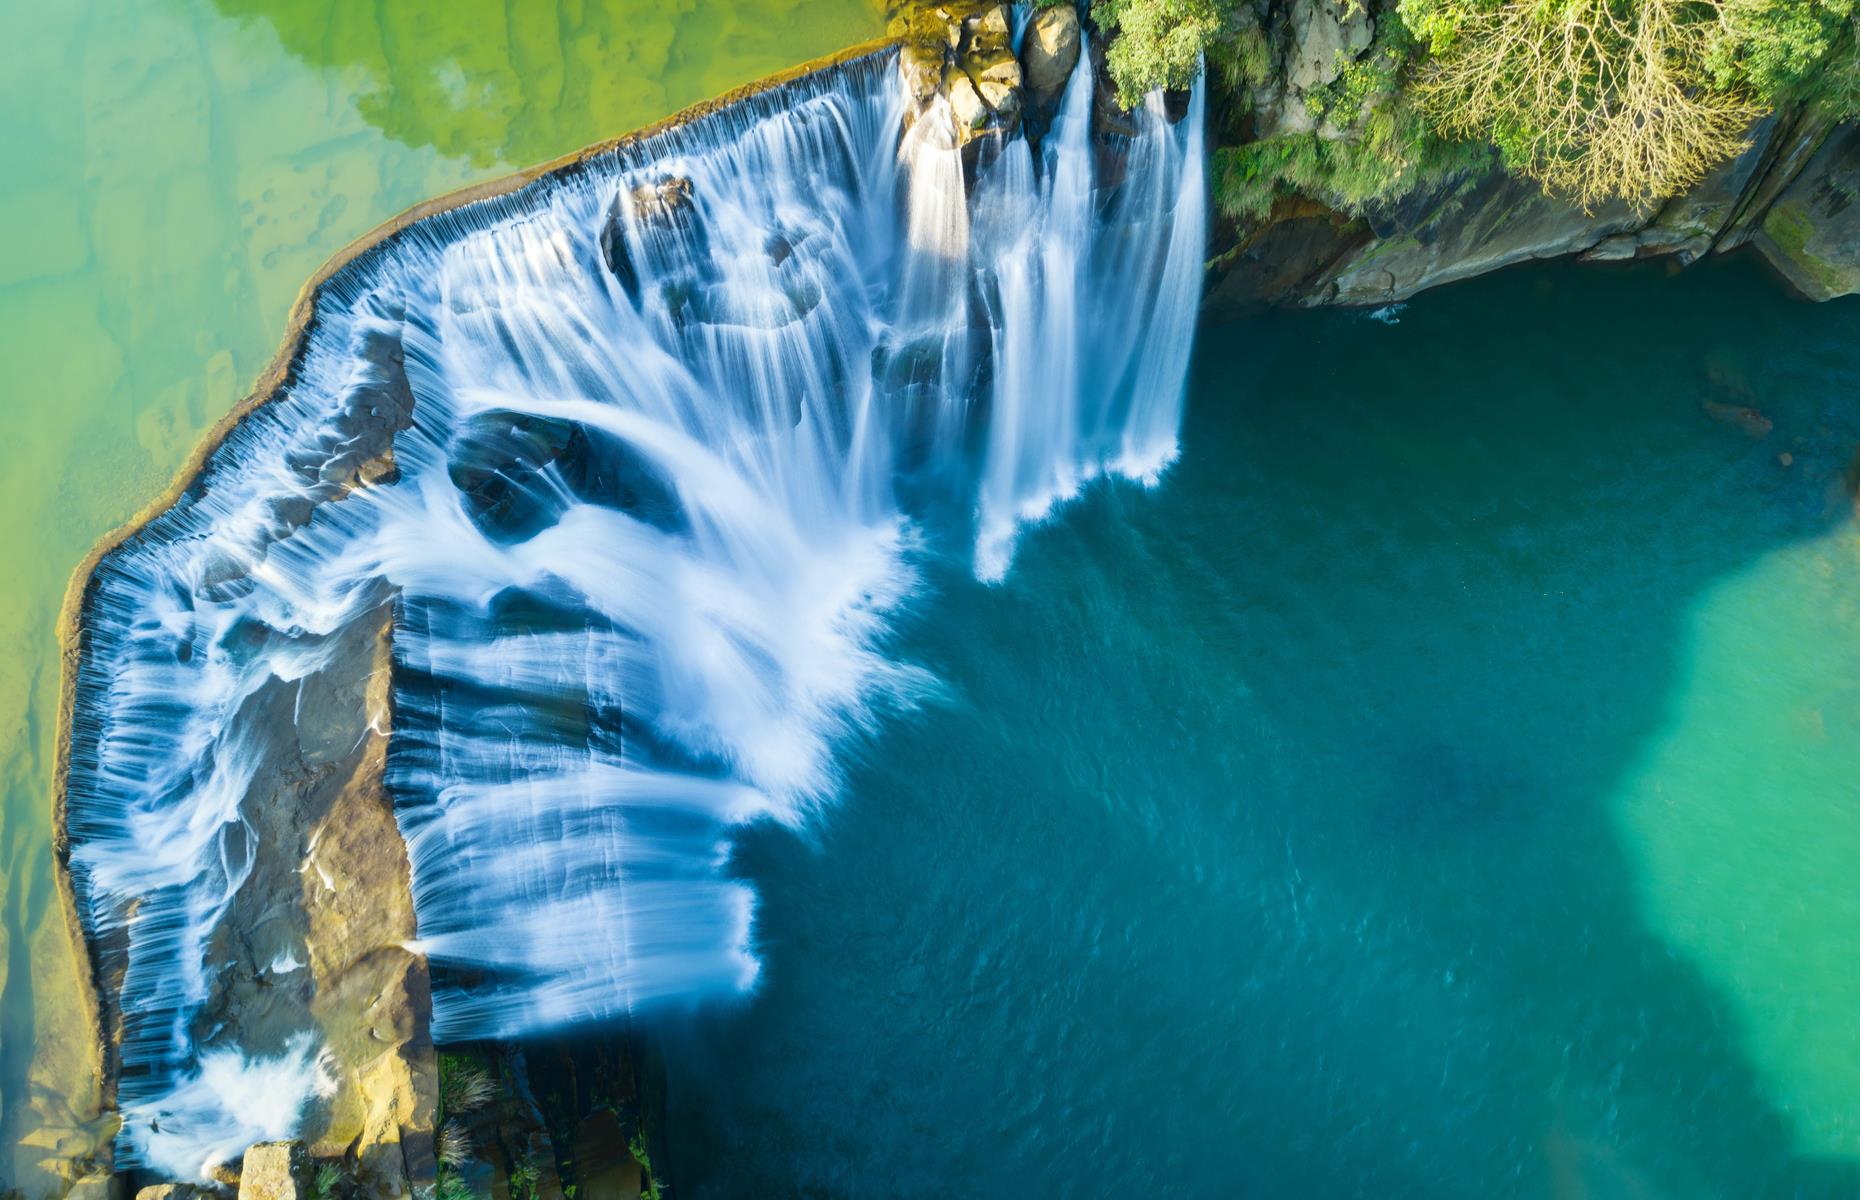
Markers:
<point>1788,196</point>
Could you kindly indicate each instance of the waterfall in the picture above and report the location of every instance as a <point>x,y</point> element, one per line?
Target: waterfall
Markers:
<point>672,434</point>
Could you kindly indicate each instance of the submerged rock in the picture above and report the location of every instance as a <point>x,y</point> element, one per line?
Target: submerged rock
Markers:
<point>1742,416</point>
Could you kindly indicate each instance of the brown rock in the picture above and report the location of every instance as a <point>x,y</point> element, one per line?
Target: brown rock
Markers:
<point>1050,50</point>
<point>966,106</point>
<point>97,1187</point>
<point>606,1165</point>
<point>1811,234</point>
<point>1325,34</point>
<point>922,65</point>
<point>170,1191</point>
<point>275,1171</point>
<point>1616,247</point>
<point>664,200</point>
<point>988,30</point>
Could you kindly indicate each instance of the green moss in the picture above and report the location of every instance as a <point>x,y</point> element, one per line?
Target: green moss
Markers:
<point>636,1146</point>
<point>1790,232</point>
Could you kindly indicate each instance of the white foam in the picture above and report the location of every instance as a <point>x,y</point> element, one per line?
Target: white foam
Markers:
<point>651,534</point>
<point>229,1103</point>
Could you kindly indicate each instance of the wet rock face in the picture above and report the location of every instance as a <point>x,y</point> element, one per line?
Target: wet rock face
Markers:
<point>1789,197</point>
<point>1811,234</point>
<point>355,450</point>
<point>315,939</point>
<point>959,59</point>
<point>663,216</point>
<point>1314,40</point>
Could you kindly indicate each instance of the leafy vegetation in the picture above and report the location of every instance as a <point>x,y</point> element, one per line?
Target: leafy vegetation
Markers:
<point>1368,143</point>
<point>452,1186</point>
<point>636,1146</point>
<point>1159,43</point>
<point>328,1183</point>
<point>523,1179</point>
<point>464,1086</point>
<point>1790,49</point>
<point>454,1144</point>
<point>1595,99</point>
<point>1629,99</point>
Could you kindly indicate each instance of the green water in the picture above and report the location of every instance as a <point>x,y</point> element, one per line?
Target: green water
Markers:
<point>177,170</point>
<point>1446,784</point>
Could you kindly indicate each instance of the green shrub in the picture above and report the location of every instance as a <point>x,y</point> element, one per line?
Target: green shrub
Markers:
<point>1159,43</point>
<point>464,1086</point>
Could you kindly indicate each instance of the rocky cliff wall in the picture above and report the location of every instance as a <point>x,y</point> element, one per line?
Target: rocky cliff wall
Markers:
<point>1788,197</point>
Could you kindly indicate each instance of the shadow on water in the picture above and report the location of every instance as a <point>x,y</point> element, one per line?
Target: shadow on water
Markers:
<point>1268,848</point>
<point>501,82</point>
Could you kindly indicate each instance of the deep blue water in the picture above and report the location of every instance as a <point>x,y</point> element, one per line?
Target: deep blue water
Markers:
<point>1270,840</point>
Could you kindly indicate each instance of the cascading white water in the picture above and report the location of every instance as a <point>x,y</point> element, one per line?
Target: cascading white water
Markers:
<point>665,482</point>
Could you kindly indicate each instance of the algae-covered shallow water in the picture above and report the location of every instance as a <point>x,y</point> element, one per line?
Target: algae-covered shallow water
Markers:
<point>1443,785</point>
<point>178,169</point>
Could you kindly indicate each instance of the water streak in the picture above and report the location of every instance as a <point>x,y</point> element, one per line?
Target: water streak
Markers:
<point>672,434</point>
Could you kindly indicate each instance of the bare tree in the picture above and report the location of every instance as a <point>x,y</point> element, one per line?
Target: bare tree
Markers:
<point>1593,98</point>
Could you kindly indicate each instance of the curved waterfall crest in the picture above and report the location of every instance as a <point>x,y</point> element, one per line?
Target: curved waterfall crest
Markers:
<point>644,458</point>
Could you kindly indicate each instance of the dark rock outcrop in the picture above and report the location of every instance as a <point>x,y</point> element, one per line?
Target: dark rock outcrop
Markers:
<point>1811,232</point>
<point>1788,197</point>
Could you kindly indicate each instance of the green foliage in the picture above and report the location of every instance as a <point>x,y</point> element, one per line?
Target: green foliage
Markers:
<point>328,1182</point>
<point>1244,59</point>
<point>1786,48</point>
<point>1160,43</point>
<point>1370,145</point>
<point>1594,98</point>
<point>523,1179</point>
<point>452,1186</point>
<point>1392,159</point>
<point>464,1086</point>
<point>636,1146</point>
<point>454,1144</point>
<point>1627,98</point>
